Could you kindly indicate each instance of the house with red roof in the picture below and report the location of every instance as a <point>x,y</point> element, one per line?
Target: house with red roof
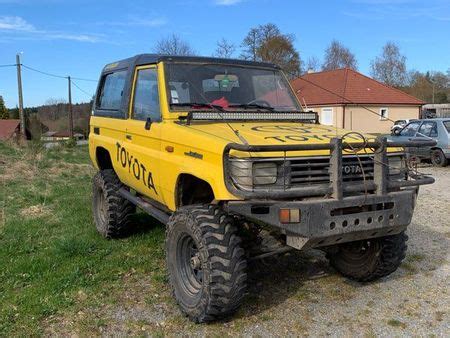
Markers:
<point>9,130</point>
<point>347,99</point>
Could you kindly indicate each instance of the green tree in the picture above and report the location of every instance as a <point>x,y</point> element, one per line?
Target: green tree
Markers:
<point>4,113</point>
<point>267,43</point>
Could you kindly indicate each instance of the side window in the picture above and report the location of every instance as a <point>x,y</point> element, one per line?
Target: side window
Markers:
<point>112,90</point>
<point>447,126</point>
<point>411,129</point>
<point>428,129</point>
<point>146,97</point>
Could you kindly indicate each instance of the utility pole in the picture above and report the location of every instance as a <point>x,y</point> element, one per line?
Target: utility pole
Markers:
<point>19,85</point>
<point>70,108</point>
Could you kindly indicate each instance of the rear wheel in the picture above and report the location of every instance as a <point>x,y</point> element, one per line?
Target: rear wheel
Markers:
<point>206,264</point>
<point>438,158</point>
<point>371,259</point>
<point>111,211</point>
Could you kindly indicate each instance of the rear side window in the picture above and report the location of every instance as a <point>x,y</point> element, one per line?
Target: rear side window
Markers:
<point>428,129</point>
<point>447,126</point>
<point>112,91</point>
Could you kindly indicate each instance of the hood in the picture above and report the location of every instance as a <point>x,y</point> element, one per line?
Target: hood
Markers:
<point>275,133</point>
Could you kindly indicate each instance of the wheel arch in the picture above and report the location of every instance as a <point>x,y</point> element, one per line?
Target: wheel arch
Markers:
<point>103,158</point>
<point>191,189</point>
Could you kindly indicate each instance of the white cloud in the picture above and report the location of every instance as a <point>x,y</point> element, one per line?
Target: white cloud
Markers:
<point>15,23</point>
<point>24,30</point>
<point>135,21</point>
<point>227,2</point>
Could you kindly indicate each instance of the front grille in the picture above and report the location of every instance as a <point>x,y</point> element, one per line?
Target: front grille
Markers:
<point>309,171</point>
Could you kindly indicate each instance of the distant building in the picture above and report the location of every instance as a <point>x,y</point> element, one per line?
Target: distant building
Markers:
<point>56,136</point>
<point>347,99</point>
<point>436,110</point>
<point>10,130</point>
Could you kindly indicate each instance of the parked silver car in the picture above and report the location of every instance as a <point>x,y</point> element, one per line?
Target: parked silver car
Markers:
<point>399,125</point>
<point>436,129</point>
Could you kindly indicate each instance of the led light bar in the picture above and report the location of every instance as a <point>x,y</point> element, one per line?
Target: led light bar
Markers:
<point>309,117</point>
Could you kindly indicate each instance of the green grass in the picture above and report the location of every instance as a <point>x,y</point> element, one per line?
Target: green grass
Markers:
<point>53,262</point>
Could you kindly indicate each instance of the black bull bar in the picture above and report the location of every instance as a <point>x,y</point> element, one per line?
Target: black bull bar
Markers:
<point>333,219</point>
<point>380,184</point>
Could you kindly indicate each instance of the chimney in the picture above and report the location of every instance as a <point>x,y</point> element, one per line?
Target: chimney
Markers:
<point>310,71</point>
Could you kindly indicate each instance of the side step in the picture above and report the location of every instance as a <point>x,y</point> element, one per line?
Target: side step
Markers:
<point>144,205</point>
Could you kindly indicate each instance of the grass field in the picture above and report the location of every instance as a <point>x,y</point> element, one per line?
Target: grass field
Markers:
<point>58,277</point>
<point>53,263</point>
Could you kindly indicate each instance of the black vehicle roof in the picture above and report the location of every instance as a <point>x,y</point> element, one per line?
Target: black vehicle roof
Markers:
<point>144,59</point>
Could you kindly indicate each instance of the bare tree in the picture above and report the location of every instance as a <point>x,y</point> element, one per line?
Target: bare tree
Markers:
<point>250,45</point>
<point>390,66</point>
<point>224,49</point>
<point>173,45</point>
<point>338,56</point>
<point>313,64</point>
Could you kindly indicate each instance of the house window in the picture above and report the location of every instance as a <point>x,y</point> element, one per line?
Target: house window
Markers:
<point>326,116</point>
<point>384,113</point>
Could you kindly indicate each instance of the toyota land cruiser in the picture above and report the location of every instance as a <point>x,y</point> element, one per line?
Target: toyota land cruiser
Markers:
<point>222,153</point>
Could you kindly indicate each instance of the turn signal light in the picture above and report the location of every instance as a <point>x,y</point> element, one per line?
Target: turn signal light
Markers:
<point>290,216</point>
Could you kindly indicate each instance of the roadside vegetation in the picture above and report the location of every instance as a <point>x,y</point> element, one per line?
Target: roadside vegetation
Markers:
<point>52,260</point>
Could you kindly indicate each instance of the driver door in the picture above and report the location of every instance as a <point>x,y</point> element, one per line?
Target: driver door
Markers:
<point>142,139</point>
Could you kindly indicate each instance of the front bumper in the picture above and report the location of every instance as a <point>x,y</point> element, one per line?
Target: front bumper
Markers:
<point>341,211</point>
<point>325,222</point>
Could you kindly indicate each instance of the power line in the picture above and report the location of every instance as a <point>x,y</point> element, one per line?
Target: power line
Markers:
<point>56,75</point>
<point>13,65</point>
<point>81,89</point>
<point>83,79</point>
<point>45,73</point>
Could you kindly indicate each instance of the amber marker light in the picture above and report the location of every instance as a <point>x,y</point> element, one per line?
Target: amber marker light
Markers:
<point>290,216</point>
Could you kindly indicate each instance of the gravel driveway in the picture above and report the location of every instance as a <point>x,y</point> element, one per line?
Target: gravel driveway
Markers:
<point>301,294</point>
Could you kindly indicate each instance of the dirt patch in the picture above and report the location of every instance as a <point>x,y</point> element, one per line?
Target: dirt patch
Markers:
<point>34,211</point>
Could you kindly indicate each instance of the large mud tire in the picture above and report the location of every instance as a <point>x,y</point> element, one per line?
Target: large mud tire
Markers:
<point>369,260</point>
<point>205,262</point>
<point>112,212</point>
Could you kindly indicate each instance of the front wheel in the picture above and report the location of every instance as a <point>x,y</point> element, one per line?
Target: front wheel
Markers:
<point>370,259</point>
<point>205,262</point>
<point>438,158</point>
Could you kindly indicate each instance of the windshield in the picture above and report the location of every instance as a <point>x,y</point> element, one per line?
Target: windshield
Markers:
<point>195,86</point>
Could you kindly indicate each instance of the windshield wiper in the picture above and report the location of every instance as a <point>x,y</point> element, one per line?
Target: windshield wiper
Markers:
<point>196,104</point>
<point>251,105</point>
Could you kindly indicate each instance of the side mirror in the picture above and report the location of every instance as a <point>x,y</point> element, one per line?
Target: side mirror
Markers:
<point>148,123</point>
<point>397,132</point>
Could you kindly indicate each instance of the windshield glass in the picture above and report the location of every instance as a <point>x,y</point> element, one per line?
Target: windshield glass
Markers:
<point>229,86</point>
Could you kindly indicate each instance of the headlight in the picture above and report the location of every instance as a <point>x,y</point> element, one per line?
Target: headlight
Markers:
<point>248,174</point>
<point>264,173</point>
<point>396,165</point>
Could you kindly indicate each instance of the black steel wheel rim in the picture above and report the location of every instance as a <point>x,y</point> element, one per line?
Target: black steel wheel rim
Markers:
<point>437,157</point>
<point>359,252</point>
<point>101,206</point>
<point>189,265</point>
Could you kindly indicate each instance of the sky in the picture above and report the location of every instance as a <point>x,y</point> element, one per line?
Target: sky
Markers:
<point>78,38</point>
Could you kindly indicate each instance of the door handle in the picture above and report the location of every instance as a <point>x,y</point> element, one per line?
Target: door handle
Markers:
<point>128,137</point>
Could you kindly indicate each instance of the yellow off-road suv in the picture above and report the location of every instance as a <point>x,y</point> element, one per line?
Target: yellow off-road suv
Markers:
<point>221,152</point>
